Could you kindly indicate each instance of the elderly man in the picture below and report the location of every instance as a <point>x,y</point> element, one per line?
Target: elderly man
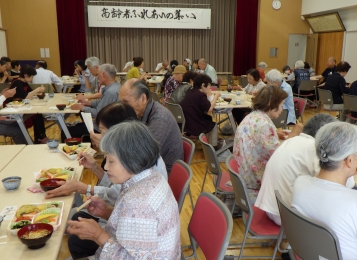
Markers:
<point>45,76</point>
<point>92,64</point>
<point>261,68</point>
<point>173,82</point>
<point>106,77</point>
<point>163,66</point>
<point>331,68</point>
<point>299,74</point>
<point>159,119</point>
<point>294,157</point>
<point>274,77</point>
<point>208,70</point>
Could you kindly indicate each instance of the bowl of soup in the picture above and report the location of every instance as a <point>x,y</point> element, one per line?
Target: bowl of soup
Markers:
<point>36,235</point>
<point>50,184</point>
<point>73,141</point>
<point>41,95</point>
<point>12,182</point>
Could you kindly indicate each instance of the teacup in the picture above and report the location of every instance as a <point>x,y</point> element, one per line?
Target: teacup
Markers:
<point>223,95</point>
<point>238,102</point>
<point>238,93</point>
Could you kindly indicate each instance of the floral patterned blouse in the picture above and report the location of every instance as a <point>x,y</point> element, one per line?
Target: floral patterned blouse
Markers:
<point>145,222</point>
<point>254,142</point>
<point>170,86</point>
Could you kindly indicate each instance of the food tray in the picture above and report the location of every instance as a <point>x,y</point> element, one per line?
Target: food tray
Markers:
<point>80,147</point>
<point>54,172</point>
<point>15,104</point>
<point>50,212</point>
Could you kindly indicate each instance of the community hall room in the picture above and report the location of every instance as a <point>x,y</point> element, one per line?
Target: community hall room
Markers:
<point>186,129</point>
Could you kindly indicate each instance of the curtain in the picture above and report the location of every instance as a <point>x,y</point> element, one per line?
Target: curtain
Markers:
<point>245,47</point>
<point>71,33</point>
<point>216,45</point>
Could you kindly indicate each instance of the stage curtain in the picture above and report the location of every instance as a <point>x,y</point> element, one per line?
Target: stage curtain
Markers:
<point>71,33</point>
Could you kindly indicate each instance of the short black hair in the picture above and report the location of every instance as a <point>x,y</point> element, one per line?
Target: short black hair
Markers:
<point>286,67</point>
<point>115,113</point>
<point>2,62</point>
<point>80,63</point>
<point>42,64</point>
<point>14,63</point>
<point>254,73</point>
<point>306,65</point>
<point>138,61</point>
<point>173,64</point>
<point>7,59</point>
<point>201,79</point>
<point>195,61</point>
<point>27,70</point>
<point>343,66</point>
<point>189,75</point>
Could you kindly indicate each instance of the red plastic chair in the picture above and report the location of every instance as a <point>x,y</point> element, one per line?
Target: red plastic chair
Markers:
<point>179,181</point>
<point>188,150</point>
<point>302,104</point>
<point>210,227</point>
<point>257,224</point>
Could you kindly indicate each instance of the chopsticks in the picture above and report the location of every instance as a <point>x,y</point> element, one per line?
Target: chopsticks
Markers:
<point>86,203</point>
<point>76,160</point>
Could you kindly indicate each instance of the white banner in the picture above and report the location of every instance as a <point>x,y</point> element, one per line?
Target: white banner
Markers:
<point>148,17</point>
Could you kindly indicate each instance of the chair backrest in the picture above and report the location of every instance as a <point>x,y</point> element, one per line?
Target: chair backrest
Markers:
<point>210,155</point>
<point>350,102</point>
<point>176,110</point>
<point>308,85</point>
<point>325,96</point>
<point>302,104</point>
<point>170,100</point>
<point>188,150</point>
<point>232,164</point>
<point>219,82</point>
<point>155,97</point>
<point>48,87</point>
<point>281,121</point>
<point>211,226</point>
<point>244,81</point>
<point>240,190</point>
<point>4,86</point>
<point>230,79</point>
<point>179,180</point>
<point>308,239</point>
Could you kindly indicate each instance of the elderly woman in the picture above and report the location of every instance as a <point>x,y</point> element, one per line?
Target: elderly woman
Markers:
<point>195,107</point>
<point>145,222</point>
<point>173,82</point>
<point>275,78</point>
<point>82,72</point>
<point>325,198</point>
<point>261,68</point>
<point>299,74</point>
<point>134,72</point>
<point>256,137</point>
<point>187,82</point>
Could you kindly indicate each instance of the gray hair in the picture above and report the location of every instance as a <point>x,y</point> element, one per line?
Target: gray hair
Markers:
<point>334,142</point>
<point>140,87</point>
<point>203,60</point>
<point>109,69</point>
<point>133,144</point>
<point>262,65</point>
<point>92,62</point>
<point>299,64</point>
<point>274,76</point>
<point>316,122</point>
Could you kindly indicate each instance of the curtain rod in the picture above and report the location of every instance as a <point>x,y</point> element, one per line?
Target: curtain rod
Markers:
<point>152,3</point>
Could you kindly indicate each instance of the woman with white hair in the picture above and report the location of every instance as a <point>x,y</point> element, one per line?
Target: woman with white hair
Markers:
<point>299,74</point>
<point>325,198</point>
<point>261,68</point>
<point>274,77</point>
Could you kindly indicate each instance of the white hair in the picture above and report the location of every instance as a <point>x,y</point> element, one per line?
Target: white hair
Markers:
<point>299,64</point>
<point>334,142</point>
<point>262,65</point>
<point>274,76</point>
<point>109,69</point>
<point>92,62</point>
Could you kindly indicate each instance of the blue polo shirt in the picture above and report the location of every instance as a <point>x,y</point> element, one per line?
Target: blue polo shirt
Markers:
<point>289,102</point>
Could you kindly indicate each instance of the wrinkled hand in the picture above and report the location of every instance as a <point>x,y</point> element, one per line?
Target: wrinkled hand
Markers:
<point>88,161</point>
<point>97,207</point>
<point>85,228</point>
<point>95,138</point>
<point>76,106</point>
<point>8,92</point>
<point>60,191</point>
<point>296,130</point>
<point>283,135</point>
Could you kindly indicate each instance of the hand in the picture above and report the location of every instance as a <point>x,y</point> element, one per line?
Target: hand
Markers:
<point>80,97</point>
<point>77,107</point>
<point>76,72</point>
<point>85,228</point>
<point>217,94</point>
<point>98,207</point>
<point>283,135</point>
<point>95,138</point>
<point>88,161</point>
<point>41,89</point>
<point>8,92</point>
<point>6,74</point>
<point>65,189</point>
<point>296,130</point>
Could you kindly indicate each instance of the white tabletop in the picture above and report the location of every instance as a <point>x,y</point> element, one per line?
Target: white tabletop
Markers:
<point>243,97</point>
<point>157,80</point>
<point>32,159</point>
<point>8,152</point>
<point>59,98</point>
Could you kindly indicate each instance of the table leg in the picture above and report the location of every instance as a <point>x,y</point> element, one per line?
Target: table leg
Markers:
<point>158,85</point>
<point>62,124</point>
<point>21,124</point>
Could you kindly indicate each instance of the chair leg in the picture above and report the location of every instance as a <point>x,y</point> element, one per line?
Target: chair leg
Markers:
<point>244,239</point>
<point>190,195</point>
<point>280,237</point>
<point>204,179</point>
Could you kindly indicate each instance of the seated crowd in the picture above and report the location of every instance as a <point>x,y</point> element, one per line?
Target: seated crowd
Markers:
<point>309,165</point>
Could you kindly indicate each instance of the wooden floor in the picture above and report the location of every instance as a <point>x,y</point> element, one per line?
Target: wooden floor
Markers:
<point>198,172</point>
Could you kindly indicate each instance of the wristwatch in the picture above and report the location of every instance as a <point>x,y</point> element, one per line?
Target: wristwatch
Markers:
<point>88,190</point>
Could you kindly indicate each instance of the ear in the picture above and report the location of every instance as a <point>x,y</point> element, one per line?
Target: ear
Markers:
<point>348,161</point>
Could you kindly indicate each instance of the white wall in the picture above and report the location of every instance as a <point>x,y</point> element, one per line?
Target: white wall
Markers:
<point>320,6</point>
<point>350,55</point>
<point>296,49</point>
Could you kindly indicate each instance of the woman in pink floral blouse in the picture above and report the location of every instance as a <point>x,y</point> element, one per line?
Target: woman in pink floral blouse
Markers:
<point>256,137</point>
<point>144,222</point>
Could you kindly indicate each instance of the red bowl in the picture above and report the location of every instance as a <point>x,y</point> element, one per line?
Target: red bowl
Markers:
<point>73,141</point>
<point>35,243</point>
<point>50,184</point>
<point>41,96</point>
<point>61,106</point>
<point>227,99</point>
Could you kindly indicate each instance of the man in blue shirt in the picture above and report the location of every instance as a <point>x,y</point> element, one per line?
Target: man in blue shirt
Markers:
<point>274,77</point>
